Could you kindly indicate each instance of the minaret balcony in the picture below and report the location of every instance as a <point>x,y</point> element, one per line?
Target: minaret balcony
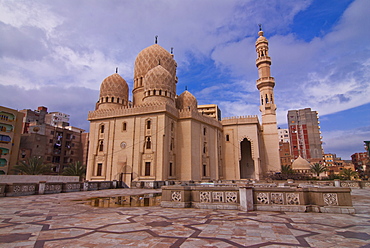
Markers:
<point>266,80</point>
<point>263,59</point>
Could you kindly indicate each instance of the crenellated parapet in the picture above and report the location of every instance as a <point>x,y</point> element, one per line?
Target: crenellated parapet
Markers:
<point>151,107</point>
<point>246,119</point>
<point>191,114</point>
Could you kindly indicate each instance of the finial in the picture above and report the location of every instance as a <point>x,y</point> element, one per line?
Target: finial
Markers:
<point>260,25</point>
<point>156,39</point>
<point>116,69</point>
<point>186,87</point>
<point>171,50</point>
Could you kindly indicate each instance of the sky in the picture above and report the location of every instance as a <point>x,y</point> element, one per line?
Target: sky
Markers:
<point>57,53</point>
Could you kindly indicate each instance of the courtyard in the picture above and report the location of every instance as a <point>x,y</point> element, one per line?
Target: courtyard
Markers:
<point>65,220</point>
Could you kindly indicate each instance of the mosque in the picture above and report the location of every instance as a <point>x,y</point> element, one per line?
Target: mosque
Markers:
<point>160,136</point>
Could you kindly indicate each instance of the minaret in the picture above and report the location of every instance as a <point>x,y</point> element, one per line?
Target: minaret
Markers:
<point>265,84</point>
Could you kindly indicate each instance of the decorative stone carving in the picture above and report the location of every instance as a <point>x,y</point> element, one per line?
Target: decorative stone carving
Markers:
<point>263,198</point>
<point>231,197</point>
<point>349,184</point>
<point>176,196</point>
<point>31,188</point>
<point>17,188</point>
<point>292,199</point>
<point>277,198</point>
<point>25,188</point>
<point>205,196</point>
<point>367,185</point>
<point>330,199</point>
<point>218,196</point>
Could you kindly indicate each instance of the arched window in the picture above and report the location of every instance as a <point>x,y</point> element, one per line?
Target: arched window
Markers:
<point>204,170</point>
<point>147,169</point>
<point>171,170</point>
<point>99,169</point>
<point>148,124</point>
<point>102,129</point>
<point>227,137</point>
<point>148,143</point>
<point>101,146</point>
<point>124,126</point>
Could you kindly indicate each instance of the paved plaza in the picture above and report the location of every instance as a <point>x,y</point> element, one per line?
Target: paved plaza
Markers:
<point>63,220</point>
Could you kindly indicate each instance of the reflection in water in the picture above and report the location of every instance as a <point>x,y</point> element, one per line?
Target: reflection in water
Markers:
<point>126,201</point>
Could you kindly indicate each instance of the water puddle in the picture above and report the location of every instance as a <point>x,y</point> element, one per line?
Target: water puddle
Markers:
<point>145,200</point>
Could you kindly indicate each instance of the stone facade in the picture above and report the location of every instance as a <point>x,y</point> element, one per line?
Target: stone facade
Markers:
<point>10,135</point>
<point>48,135</point>
<point>161,136</point>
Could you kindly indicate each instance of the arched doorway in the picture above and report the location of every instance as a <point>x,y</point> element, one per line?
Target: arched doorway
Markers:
<point>246,163</point>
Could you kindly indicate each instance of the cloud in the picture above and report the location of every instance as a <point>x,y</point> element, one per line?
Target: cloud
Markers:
<point>69,46</point>
<point>76,101</point>
<point>345,143</point>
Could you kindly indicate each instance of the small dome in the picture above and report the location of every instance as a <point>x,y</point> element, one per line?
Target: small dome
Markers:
<point>114,89</point>
<point>186,100</point>
<point>261,38</point>
<point>301,164</point>
<point>158,78</point>
<point>152,56</point>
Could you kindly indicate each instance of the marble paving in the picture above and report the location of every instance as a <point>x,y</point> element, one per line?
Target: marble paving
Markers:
<point>63,220</point>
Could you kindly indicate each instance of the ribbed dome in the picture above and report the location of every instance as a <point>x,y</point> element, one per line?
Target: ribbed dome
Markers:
<point>114,86</point>
<point>158,78</point>
<point>152,56</point>
<point>186,100</point>
<point>301,164</point>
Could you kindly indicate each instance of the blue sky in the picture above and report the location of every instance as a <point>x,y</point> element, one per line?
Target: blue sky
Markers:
<point>56,54</point>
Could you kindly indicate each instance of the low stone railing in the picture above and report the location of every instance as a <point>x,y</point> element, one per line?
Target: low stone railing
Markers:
<point>22,189</point>
<point>312,199</point>
<point>205,197</point>
<point>334,183</point>
<point>294,199</point>
<point>18,189</point>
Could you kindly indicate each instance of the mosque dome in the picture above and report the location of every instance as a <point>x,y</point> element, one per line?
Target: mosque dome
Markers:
<point>152,56</point>
<point>114,90</point>
<point>158,78</point>
<point>301,164</point>
<point>186,100</point>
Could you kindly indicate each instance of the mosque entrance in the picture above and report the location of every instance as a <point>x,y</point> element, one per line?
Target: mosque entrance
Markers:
<point>246,163</point>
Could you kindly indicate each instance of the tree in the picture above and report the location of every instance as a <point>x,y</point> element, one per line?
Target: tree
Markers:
<point>286,170</point>
<point>32,166</point>
<point>348,174</point>
<point>75,169</point>
<point>318,168</point>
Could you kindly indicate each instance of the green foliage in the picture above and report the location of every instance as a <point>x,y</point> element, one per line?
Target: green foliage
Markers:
<point>348,174</point>
<point>75,169</point>
<point>318,168</point>
<point>286,170</point>
<point>32,166</point>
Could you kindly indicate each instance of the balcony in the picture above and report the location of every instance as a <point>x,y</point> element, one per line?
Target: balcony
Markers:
<point>5,139</point>
<point>3,162</point>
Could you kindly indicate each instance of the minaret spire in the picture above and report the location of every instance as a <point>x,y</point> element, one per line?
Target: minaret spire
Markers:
<point>265,85</point>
